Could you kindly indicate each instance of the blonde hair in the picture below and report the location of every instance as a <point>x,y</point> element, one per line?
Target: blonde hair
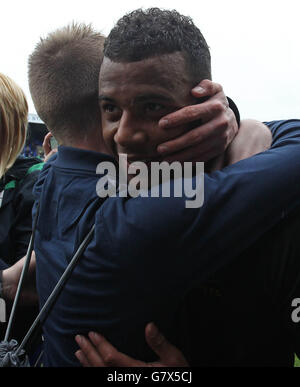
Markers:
<point>63,79</point>
<point>13,122</point>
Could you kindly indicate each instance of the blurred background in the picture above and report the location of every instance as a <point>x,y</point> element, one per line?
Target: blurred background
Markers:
<point>255,45</point>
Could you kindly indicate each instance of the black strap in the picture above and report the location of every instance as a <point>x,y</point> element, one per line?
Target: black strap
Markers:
<point>22,277</point>
<point>44,312</point>
<point>47,307</point>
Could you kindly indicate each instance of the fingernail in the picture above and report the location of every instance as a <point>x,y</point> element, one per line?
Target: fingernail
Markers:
<point>153,331</point>
<point>163,122</point>
<point>199,89</point>
<point>79,339</point>
<point>94,336</point>
<point>79,356</point>
<point>162,149</point>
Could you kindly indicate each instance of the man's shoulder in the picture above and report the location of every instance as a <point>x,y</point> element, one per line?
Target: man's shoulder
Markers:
<point>45,168</point>
<point>24,166</point>
<point>143,223</point>
<point>275,124</point>
<point>21,176</point>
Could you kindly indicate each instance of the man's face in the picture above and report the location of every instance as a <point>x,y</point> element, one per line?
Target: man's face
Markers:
<point>133,98</point>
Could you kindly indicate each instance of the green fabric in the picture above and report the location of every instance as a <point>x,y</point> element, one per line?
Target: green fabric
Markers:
<point>10,185</point>
<point>35,167</point>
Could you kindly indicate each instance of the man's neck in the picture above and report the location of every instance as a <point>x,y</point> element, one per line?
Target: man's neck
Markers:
<point>92,142</point>
<point>91,146</point>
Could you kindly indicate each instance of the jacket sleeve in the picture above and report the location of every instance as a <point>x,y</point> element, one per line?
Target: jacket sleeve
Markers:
<point>23,202</point>
<point>241,202</point>
<point>157,248</point>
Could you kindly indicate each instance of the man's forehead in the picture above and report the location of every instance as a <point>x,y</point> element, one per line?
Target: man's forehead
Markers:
<point>167,71</point>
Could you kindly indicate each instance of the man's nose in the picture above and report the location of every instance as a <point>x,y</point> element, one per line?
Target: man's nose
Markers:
<point>130,132</point>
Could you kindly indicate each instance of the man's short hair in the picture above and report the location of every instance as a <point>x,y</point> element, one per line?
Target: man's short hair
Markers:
<point>143,34</point>
<point>63,79</point>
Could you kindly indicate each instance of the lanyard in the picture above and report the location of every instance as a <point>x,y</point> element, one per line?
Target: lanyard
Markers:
<point>1,198</point>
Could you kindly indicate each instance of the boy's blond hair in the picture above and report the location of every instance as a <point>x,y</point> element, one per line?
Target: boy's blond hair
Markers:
<point>13,122</point>
<point>63,80</point>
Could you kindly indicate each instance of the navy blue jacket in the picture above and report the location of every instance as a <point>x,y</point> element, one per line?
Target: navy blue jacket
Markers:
<point>15,209</point>
<point>148,252</point>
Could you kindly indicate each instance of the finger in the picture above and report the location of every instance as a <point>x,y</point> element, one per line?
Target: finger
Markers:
<point>82,359</point>
<point>206,88</point>
<point>168,354</point>
<point>49,155</point>
<point>203,111</point>
<point>47,138</point>
<point>203,152</point>
<point>110,356</point>
<point>89,351</point>
<point>156,340</point>
<point>46,143</point>
<point>215,128</point>
<point>32,263</point>
<point>198,153</point>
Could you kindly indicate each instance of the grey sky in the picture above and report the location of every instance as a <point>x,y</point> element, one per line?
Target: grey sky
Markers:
<point>255,45</point>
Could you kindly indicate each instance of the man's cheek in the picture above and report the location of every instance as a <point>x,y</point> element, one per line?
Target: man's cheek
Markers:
<point>108,137</point>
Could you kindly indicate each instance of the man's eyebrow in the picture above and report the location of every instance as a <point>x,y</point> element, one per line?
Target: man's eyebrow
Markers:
<point>141,98</point>
<point>104,98</point>
<point>152,96</point>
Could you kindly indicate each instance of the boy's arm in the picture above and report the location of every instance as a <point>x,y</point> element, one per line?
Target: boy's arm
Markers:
<point>241,202</point>
<point>253,137</point>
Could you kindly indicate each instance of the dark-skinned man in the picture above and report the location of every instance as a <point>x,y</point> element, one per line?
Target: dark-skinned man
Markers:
<point>114,307</point>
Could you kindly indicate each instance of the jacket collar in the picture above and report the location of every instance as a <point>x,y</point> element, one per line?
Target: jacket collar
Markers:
<point>75,158</point>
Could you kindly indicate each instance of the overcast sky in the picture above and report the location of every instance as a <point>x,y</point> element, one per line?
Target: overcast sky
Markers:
<point>255,45</point>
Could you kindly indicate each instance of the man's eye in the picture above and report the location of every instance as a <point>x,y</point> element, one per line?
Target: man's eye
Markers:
<point>153,107</point>
<point>109,108</point>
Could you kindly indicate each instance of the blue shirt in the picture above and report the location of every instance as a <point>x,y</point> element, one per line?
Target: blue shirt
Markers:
<point>147,252</point>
